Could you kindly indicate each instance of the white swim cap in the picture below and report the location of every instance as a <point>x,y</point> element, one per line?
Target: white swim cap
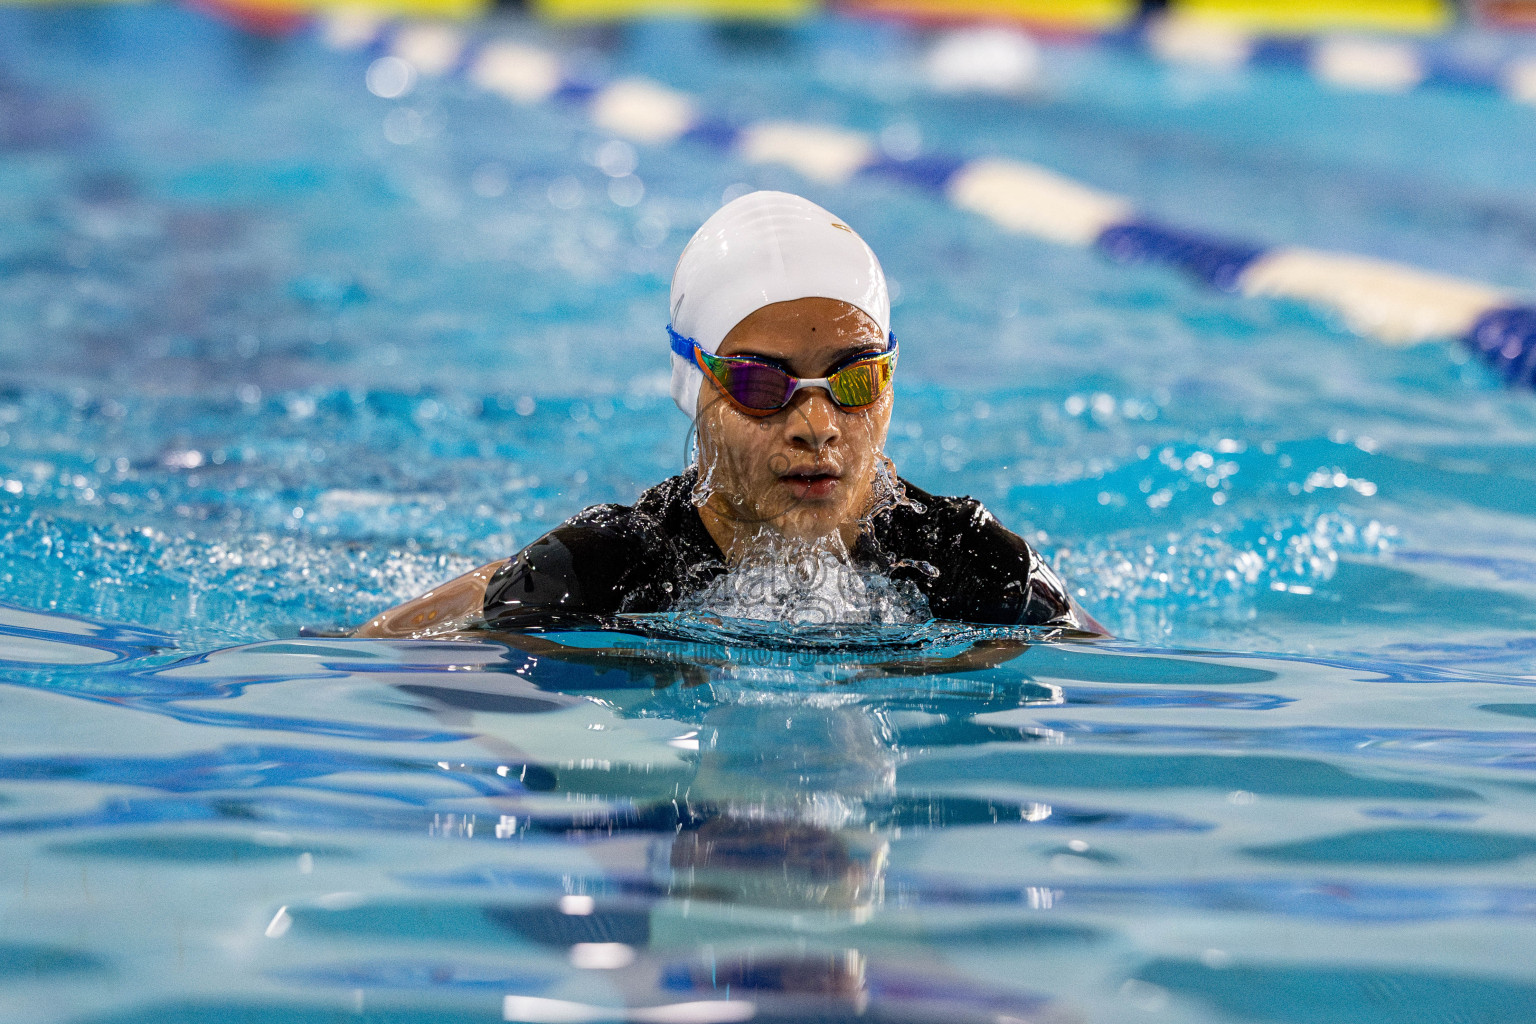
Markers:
<point>763,248</point>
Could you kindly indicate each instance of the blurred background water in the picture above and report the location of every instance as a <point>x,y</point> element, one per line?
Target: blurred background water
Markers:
<point>276,352</point>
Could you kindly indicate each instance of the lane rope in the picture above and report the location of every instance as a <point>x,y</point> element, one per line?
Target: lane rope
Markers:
<point>1386,301</point>
<point>1360,63</point>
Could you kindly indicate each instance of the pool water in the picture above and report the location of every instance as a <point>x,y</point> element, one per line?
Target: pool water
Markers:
<point>276,352</point>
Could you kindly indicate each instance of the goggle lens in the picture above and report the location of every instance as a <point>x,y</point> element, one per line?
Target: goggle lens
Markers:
<point>752,384</point>
<point>862,383</point>
<point>758,387</point>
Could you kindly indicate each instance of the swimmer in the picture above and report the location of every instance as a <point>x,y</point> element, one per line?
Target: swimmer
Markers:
<point>783,356</point>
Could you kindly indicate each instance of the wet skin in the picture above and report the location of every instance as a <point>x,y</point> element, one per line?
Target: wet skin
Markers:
<point>805,472</point>
<point>808,470</point>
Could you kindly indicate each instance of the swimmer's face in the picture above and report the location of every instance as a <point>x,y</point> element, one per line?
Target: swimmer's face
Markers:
<point>808,470</point>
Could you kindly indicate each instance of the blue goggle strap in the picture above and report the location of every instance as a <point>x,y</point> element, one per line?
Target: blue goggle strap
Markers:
<point>680,345</point>
<point>685,346</point>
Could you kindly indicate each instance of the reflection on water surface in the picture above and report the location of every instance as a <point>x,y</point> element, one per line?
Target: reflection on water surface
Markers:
<point>301,364</point>
<point>694,822</point>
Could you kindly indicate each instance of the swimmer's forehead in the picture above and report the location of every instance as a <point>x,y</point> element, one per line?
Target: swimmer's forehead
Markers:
<point>820,330</point>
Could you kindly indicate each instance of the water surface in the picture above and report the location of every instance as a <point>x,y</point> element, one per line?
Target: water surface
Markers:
<point>276,352</point>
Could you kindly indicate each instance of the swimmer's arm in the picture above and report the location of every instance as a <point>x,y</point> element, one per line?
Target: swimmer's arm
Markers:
<point>1086,621</point>
<point>1050,591</point>
<point>457,603</point>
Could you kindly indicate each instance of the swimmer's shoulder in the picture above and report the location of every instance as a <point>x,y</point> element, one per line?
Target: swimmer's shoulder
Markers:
<point>987,572</point>
<point>947,519</point>
<point>661,512</point>
<point>570,571</point>
<point>604,560</point>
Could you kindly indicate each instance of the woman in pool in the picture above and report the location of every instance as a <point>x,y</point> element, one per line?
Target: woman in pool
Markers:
<point>782,355</point>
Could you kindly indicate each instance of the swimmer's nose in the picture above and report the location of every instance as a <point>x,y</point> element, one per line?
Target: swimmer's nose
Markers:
<point>813,419</point>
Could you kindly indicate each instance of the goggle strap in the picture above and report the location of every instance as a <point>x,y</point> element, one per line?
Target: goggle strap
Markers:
<point>693,352</point>
<point>684,347</point>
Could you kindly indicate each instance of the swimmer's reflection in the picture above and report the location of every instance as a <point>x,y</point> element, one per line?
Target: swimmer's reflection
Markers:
<point>786,787</point>
<point>778,810</point>
<point>776,819</point>
<point>780,813</point>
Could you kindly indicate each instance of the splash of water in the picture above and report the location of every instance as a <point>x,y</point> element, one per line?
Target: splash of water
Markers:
<point>781,643</point>
<point>807,582</point>
<point>211,590</point>
<point>1146,585</point>
<point>887,493</point>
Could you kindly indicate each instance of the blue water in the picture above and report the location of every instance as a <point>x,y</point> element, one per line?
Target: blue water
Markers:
<point>276,353</point>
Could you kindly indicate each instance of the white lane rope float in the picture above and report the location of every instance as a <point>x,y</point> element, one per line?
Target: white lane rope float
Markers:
<point>1006,59</point>
<point>1390,302</point>
<point>1362,63</point>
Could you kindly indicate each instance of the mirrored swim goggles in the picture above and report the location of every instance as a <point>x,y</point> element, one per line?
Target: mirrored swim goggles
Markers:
<point>762,389</point>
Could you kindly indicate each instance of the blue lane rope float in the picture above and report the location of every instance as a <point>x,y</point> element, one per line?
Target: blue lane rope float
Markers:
<point>1389,302</point>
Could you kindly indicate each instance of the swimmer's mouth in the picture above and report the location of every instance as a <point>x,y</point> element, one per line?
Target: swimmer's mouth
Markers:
<point>812,483</point>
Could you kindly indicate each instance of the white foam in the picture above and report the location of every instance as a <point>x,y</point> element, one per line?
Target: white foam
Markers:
<point>1383,300</point>
<point>431,49</point>
<point>1146,585</point>
<point>821,153</point>
<point>521,73</point>
<point>642,110</point>
<point>1033,201</point>
<point>1372,65</point>
<point>783,580</point>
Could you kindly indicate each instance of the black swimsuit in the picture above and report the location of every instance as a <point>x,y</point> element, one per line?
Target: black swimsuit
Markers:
<point>646,557</point>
